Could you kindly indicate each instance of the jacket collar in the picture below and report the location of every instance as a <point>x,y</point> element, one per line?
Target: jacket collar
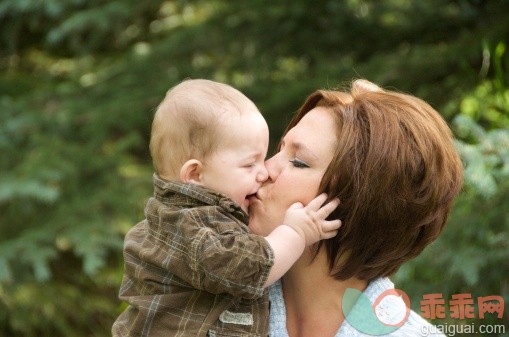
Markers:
<point>188,195</point>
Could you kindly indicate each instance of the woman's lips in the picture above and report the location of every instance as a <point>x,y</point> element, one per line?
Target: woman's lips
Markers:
<point>254,196</point>
<point>253,200</point>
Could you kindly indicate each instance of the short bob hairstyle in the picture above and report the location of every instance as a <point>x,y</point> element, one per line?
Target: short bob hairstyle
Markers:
<point>395,170</point>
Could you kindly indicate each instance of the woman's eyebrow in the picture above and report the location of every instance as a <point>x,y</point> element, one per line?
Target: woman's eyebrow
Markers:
<point>298,146</point>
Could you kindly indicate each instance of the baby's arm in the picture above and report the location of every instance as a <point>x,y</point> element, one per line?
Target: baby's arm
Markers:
<point>210,252</point>
<point>302,227</point>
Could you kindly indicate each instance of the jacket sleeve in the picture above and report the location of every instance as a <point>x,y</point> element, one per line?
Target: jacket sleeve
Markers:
<point>208,250</point>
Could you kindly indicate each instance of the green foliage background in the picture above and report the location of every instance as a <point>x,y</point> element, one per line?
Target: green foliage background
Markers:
<point>79,81</point>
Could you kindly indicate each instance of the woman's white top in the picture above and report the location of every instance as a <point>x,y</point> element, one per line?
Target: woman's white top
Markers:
<point>415,325</point>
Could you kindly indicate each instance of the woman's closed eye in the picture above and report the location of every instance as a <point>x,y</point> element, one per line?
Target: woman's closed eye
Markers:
<point>299,163</point>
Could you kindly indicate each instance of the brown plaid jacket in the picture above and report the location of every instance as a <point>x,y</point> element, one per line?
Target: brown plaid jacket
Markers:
<point>193,269</point>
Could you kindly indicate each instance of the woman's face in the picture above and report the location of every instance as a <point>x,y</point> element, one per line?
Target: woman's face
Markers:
<point>296,171</point>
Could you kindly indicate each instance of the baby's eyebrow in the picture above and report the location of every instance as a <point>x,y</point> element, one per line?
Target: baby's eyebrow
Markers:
<point>252,155</point>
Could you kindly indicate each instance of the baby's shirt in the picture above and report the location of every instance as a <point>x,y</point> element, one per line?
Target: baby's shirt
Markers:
<point>192,268</point>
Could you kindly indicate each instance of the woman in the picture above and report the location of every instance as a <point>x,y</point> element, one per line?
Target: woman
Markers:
<point>390,159</point>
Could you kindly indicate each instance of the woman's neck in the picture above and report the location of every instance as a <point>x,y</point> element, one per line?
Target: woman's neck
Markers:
<point>313,298</point>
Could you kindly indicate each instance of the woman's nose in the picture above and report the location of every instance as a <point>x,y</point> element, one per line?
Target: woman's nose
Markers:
<point>273,167</point>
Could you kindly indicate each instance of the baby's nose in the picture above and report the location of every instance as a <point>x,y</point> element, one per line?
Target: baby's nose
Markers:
<point>263,174</point>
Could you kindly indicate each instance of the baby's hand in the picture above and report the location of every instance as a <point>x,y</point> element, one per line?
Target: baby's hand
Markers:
<point>309,221</point>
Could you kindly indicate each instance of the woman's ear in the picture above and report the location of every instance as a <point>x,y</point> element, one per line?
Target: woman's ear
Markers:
<point>190,172</point>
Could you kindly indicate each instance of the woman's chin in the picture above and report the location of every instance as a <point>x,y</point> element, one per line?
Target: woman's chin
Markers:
<point>254,229</point>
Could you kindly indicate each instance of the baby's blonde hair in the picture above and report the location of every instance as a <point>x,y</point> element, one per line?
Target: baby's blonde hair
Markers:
<point>189,123</point>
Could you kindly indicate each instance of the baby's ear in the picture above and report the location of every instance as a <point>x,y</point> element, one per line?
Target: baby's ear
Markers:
<point>190,172</point>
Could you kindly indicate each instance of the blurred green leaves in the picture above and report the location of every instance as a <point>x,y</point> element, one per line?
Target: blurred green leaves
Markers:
<point>486,157</point>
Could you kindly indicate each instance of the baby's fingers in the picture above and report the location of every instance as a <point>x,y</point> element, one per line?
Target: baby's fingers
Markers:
<point>332,225</point>
<point>329,235</point>
<point>328,208</point>
<point>317,202</point>
<point>330,229</point>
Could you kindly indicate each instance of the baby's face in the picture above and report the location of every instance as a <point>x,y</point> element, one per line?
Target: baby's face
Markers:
<point>237,168</point>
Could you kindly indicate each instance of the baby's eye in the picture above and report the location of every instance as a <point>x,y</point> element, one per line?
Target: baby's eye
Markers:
<point>249,165</point>
<point>298,163</point>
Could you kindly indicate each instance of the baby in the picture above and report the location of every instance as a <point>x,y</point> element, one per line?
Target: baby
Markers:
<point>191,267</point>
